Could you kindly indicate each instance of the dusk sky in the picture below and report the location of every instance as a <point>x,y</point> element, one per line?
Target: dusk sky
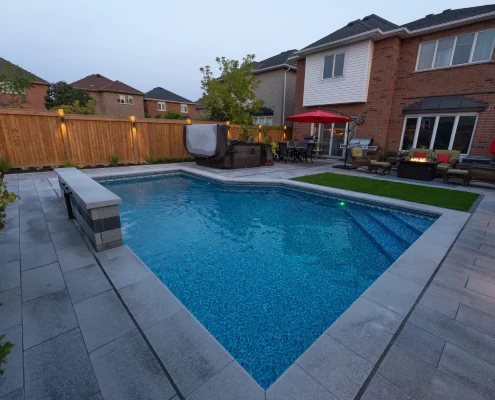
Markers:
<point>163,43</point>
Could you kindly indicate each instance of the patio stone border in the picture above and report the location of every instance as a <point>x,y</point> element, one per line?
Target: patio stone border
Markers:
<point>335,366</point>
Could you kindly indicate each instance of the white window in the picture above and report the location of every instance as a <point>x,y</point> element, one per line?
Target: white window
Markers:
<point>183,108</point>
<point>263,120</point>
<point>457,50</point>
<point>125,99</point>
<point>333,66</point>
<point>439,132</point>
<point>162,106</point>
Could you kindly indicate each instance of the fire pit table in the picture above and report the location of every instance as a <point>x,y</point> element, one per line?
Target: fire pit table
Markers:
<point>421,169</point>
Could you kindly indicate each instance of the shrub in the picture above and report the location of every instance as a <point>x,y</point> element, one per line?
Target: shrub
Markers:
<point>5,349</point>
<point>146,115</point>
<point>172,115</point>
<point>5,199</point>
<point>114,160</point>
<point>4,164</point>
<point>78,108</point>
<point>158,116</point>
<point>67,164</point>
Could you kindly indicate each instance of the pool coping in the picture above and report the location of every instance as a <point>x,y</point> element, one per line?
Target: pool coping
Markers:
<point>338,362</point>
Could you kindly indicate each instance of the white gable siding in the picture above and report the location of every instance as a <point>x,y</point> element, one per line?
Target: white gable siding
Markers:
<point>351,88</point>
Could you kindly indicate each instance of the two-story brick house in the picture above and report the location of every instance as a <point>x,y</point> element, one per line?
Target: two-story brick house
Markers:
<point>159,101</point>
<point>35,95</point>
<point>429,83</point>
<point>112,97</point>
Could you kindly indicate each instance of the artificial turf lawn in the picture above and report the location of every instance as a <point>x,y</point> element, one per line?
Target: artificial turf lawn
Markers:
<point>446,198</point>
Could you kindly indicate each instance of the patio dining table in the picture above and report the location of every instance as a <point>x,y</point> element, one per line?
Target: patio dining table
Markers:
<point>297,152</point>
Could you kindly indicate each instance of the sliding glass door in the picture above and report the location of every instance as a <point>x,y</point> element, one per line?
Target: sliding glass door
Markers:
<point>452,132</point>
<point>331,137</point>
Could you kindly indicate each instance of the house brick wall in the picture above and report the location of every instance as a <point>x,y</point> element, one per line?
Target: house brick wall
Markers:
<point>151,107</point>
<point>35,97</point>
<point>106,104</point>
<point>394,84</point>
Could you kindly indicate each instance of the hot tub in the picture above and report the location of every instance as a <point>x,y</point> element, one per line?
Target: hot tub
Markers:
<point>210,146</point>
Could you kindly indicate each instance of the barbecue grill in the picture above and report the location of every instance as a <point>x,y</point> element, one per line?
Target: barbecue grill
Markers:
<point>363,143</point>
<point>211,147</point>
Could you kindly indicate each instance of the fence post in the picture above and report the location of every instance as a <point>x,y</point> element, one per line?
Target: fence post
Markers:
<point>133,136</point>
<point>65,136</point>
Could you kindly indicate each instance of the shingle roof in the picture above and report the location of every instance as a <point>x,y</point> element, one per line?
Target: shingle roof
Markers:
<point>449,16</point>
<point>455,103</point>
<point>356,27</point>
<point>100,83</point>
<point>160,93</point>
<point>278,60</point>
<point>3,67</point>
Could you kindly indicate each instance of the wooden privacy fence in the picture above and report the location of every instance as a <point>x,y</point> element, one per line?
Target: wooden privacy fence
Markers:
<point>31,138</point>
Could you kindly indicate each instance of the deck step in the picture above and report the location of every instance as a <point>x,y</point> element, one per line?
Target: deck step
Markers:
<point>387,241</point>
<point>395,225</point>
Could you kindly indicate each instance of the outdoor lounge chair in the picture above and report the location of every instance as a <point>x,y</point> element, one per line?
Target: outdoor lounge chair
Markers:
<point>358,161</point>
<point>444,165</point>
<point>481,173</point>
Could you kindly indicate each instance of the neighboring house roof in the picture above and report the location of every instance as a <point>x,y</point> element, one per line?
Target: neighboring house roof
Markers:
<point>356,27</point>
<point>4,65</point>
<point>199,105</point>
<point>279,61</point>
<point>160,93</point>
<point>374,27</point>
<point>99,83</point>
<point>455,103</point>
<point>448,16</point>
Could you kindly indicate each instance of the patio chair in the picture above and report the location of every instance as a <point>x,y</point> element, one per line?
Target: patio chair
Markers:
<point>358,161</point>
<point>447,159</point>
<point>308,152</point>
<point>283,151</point>
<point>481,173</point>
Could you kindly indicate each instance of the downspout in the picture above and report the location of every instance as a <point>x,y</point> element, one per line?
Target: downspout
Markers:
<point>285,91</point>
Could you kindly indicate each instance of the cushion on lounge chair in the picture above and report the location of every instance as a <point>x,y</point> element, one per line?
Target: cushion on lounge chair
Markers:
<point>420,154</point>
<point>356,152</point>
<point>444,167</point>
<point>458,171</point>
<point>443,158</point>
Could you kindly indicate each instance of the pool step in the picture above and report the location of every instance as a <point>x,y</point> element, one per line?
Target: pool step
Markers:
<point>401,229</point>
<point>387,241</point>
<point>419,224</point>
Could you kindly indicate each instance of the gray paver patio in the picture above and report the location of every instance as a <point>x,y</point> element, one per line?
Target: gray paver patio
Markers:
<point>63,314</point>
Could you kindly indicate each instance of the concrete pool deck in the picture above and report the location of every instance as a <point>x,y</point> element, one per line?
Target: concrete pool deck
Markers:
<point>83,330</point>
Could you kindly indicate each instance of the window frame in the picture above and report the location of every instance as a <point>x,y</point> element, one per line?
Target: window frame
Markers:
<point>182,111</point>
<point>161,106</point>
<point>435,127</point>
<point>334,55</point>
<point>126,98</point>
<point>471,54</point>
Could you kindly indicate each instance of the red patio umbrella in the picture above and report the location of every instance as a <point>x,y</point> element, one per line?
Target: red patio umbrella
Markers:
<point>319,117</point>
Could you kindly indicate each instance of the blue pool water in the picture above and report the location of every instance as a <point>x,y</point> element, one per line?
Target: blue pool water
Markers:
<point>265,269</point>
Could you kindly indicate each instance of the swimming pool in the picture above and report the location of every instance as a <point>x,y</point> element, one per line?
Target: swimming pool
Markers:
<point>265,269</point>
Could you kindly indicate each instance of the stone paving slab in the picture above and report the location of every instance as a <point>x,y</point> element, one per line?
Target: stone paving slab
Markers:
<point>10,311</point>
<point>126,369</point>
<point>86,282</point>
<point>40,281</point>
<point>13,377</point>
<point>382,389</point>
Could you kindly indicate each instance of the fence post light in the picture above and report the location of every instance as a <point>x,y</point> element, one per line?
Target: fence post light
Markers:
<point>285,132</point>
<point>188,121</point>
<point>228,129</point>
<point>133,137</point>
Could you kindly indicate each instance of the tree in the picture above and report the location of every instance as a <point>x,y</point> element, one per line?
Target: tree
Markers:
<point>76,108</point>
<point>61,94</point>
<point>14,83</point>
<point>231,97</point>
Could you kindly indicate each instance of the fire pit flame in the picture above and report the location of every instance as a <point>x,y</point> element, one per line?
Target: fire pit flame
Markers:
<point>418,159</point>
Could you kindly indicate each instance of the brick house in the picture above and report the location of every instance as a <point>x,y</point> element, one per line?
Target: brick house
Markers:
<point>277,85</point>
<point>159,101</point>
<point>112,97</point>
<point>429,83</point>
<point>35,94</point>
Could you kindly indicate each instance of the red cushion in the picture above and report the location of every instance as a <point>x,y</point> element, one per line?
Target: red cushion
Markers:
<point>443,158</point>
<point>419,154</point>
